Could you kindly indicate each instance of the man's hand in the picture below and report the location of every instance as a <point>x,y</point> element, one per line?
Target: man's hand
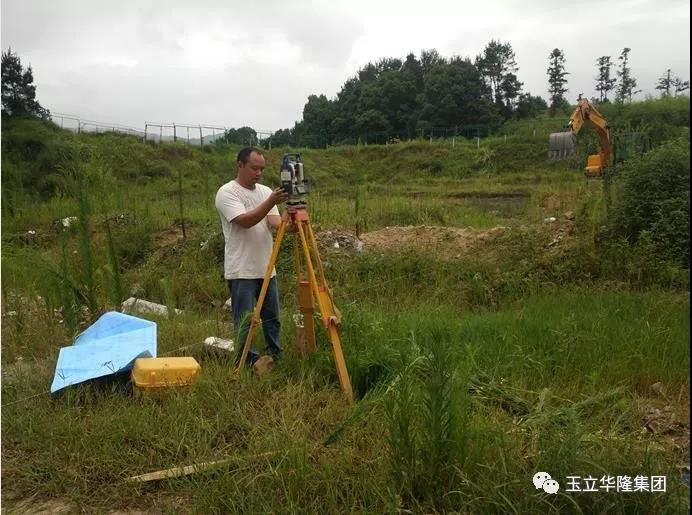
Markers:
<point>278,196</point>
<point>254,216</point>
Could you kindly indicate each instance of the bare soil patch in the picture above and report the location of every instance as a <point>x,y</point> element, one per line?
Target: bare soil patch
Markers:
<point>447,242</point>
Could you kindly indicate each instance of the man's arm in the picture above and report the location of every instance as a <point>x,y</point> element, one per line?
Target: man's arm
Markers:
<point>254,216</point>
<point>274,221</point>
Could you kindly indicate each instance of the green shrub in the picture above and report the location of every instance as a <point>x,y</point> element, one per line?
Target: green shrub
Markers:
<point>652,195</point>
<point>664,117</point>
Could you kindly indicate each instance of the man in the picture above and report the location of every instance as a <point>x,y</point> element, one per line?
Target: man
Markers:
<point>248,214</point>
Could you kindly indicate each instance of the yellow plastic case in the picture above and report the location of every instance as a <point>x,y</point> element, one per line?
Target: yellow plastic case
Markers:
<point>156,373</point>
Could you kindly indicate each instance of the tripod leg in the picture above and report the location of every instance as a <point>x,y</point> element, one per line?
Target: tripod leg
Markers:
<point>310,235</point>
<point>307,309</point>
<point>328,316</point>
<point>300,329</point>
<point>341,370</point>
<point>263,292</point>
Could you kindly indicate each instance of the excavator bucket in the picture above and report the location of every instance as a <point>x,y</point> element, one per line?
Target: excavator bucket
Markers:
<point>561,145</point>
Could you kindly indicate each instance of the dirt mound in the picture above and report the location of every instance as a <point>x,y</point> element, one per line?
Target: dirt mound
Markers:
<point>447,242</point>
<point>338,239</point>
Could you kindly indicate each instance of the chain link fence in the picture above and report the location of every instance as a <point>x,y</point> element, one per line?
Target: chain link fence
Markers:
<point>200,135</point>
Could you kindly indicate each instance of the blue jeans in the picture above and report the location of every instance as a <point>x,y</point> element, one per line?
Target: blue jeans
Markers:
<point>244,295</point>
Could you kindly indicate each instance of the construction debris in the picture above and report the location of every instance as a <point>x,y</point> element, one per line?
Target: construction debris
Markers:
<point>134,305</point>
<point>177,471</point>
<point>191,469</point>
<point>219,343</point>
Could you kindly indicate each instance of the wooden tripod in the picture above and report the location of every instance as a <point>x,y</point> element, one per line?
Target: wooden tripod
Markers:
<point>314,286</point>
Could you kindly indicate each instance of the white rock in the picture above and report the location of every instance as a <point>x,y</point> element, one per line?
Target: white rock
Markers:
<point>66,222</point>
<point>133,305</point>
<point>219,343</point>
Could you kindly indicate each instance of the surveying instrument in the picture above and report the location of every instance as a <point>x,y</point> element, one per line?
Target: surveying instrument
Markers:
<point>311,282</point>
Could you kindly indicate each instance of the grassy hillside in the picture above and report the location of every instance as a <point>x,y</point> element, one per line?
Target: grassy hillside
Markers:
<point>498,320</point>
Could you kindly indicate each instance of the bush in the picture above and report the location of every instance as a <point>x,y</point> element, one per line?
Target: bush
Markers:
<point>32,152</point>
<point>652,199</point>
<point>665,118</point>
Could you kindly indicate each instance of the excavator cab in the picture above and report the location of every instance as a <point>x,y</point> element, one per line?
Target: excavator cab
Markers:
<point>594,167</point>
<point>564,144</point>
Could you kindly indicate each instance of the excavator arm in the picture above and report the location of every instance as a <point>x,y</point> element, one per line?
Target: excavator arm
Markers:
<point>564,143</point>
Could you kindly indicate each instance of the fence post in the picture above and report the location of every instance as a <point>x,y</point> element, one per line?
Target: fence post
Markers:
<point>478,142</point>
<point>146,126</point>
<point>201,138</point>
<point>175,136</point>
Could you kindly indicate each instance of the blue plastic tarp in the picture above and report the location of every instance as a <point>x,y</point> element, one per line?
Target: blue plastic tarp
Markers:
<point>110,345</point>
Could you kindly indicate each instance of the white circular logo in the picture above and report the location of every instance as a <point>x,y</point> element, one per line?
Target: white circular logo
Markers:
<point>544,481</point>
<point>551,486</point>
<point>539,478</point>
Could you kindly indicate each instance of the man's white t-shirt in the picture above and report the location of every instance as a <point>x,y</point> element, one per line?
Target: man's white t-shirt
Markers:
<point>247,251</point>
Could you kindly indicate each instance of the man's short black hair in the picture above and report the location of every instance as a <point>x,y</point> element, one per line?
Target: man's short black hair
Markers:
<point>244,154</point>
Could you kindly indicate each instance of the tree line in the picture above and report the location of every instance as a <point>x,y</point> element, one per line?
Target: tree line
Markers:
<point>407,98</point>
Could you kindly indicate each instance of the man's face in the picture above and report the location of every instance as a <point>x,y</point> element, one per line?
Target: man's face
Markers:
<point>250,173</point>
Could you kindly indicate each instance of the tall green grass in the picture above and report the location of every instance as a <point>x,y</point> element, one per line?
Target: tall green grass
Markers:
<point>471,372</point>
<point>436,434</point>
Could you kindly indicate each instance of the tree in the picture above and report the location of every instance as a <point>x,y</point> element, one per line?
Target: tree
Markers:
<point>498,68</point>
<point>666,83</point>
<point>414,67</point>
<point>627,85</point>
<point>604,83</point>
<point>347,101</point>
<point>281,138</point>
<point>557,80</point>
<point>18,89</point>
<point>680,85</point>
<point>452,94</point>
<point>529,106</point>
<point>429,58</point>
<point>242,136</point>
<point>317,117</point>
<point>396,94</point>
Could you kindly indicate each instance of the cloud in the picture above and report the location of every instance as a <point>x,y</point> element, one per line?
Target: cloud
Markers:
<point>256,64</point>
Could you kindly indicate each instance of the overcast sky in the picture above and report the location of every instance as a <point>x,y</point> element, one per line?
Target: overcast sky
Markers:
<point>254,63</point>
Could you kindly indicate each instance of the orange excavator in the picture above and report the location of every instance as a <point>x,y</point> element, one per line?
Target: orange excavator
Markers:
<point>564,144</point>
